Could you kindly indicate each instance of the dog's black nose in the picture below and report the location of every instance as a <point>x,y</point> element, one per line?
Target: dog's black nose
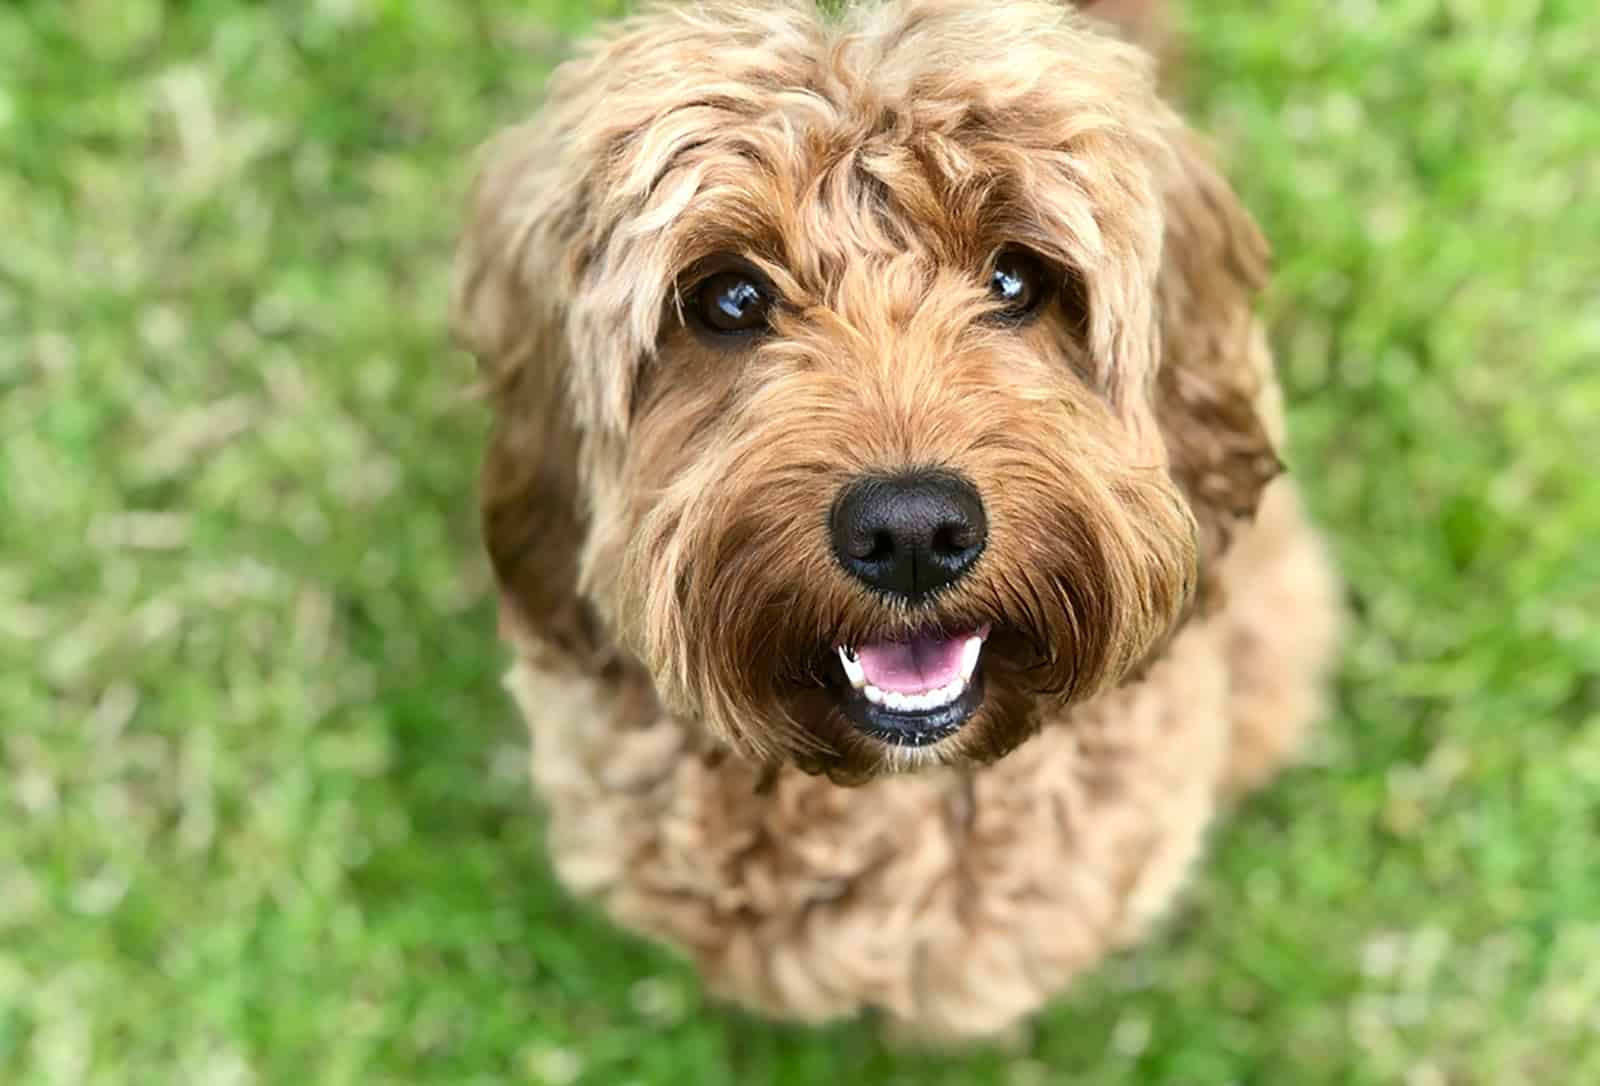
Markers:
<point>908,535</point>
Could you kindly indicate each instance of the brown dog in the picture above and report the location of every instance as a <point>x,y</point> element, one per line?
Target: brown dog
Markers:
<point>875,394</point>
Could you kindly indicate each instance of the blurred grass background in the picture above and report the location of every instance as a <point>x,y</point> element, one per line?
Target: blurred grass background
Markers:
<point>263,811</point>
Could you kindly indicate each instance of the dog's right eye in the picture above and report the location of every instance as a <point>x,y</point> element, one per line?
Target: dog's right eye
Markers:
<point>731,303</point>
<point>1020,282</point>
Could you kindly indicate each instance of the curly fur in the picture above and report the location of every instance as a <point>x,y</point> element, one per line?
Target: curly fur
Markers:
<point>654,506</point>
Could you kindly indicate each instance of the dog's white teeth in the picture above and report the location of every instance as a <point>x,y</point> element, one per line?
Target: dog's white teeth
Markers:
<point>969,657</point>
<point>924,702</point>
<point>852,668</point>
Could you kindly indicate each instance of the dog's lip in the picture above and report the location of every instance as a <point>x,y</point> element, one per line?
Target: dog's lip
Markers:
<point>931,685</point>
<point>913,728</point>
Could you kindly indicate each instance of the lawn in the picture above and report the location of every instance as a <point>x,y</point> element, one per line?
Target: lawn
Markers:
<point>263,810</point>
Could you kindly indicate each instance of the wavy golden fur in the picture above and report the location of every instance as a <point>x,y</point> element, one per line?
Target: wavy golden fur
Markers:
<point>655,504</point>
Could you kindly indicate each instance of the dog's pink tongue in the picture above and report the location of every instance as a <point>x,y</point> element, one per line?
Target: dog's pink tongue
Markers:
<point>911,667</point>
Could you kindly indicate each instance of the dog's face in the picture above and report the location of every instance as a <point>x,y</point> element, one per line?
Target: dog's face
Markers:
<point>829,372</point>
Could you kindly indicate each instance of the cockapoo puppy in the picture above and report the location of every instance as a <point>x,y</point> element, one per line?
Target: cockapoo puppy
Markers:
<point>884,497</point>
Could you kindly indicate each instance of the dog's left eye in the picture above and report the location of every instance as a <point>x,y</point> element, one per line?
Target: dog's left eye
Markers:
<point>731,303</point>
<point>1020,282</point>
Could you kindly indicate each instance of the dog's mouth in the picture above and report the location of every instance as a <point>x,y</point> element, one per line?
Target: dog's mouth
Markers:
<point>912,692</point>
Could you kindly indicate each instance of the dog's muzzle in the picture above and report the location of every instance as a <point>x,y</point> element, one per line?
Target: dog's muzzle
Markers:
<point>907,537</point>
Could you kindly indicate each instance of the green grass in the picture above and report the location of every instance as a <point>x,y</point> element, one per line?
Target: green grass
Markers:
<point>263,811</point>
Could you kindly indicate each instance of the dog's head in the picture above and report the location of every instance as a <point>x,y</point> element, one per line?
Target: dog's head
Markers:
<point>830,375</point>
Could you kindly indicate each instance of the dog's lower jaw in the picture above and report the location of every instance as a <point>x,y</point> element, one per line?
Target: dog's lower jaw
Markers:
<point>956,900</point>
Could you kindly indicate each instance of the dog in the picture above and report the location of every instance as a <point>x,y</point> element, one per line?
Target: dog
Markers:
<point>884,496</point>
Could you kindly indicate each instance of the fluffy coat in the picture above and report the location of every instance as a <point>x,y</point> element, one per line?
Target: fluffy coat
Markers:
<point>654,504</point>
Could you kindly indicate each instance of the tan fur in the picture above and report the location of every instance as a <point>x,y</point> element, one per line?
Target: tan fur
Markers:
<point>655,506</point>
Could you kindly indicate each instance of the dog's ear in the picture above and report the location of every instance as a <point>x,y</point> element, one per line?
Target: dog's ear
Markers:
<point>508,312</point>
<point>534,528</point>
<point>1214,390</point>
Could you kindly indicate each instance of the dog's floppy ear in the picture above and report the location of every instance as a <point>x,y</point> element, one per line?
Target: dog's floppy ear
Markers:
<point>507,312</point>
<point>1213,389</point>
<point>534,527</point>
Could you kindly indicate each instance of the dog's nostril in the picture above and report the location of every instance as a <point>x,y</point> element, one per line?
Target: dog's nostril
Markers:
<point>908,535</point>
<point>951,539</point>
